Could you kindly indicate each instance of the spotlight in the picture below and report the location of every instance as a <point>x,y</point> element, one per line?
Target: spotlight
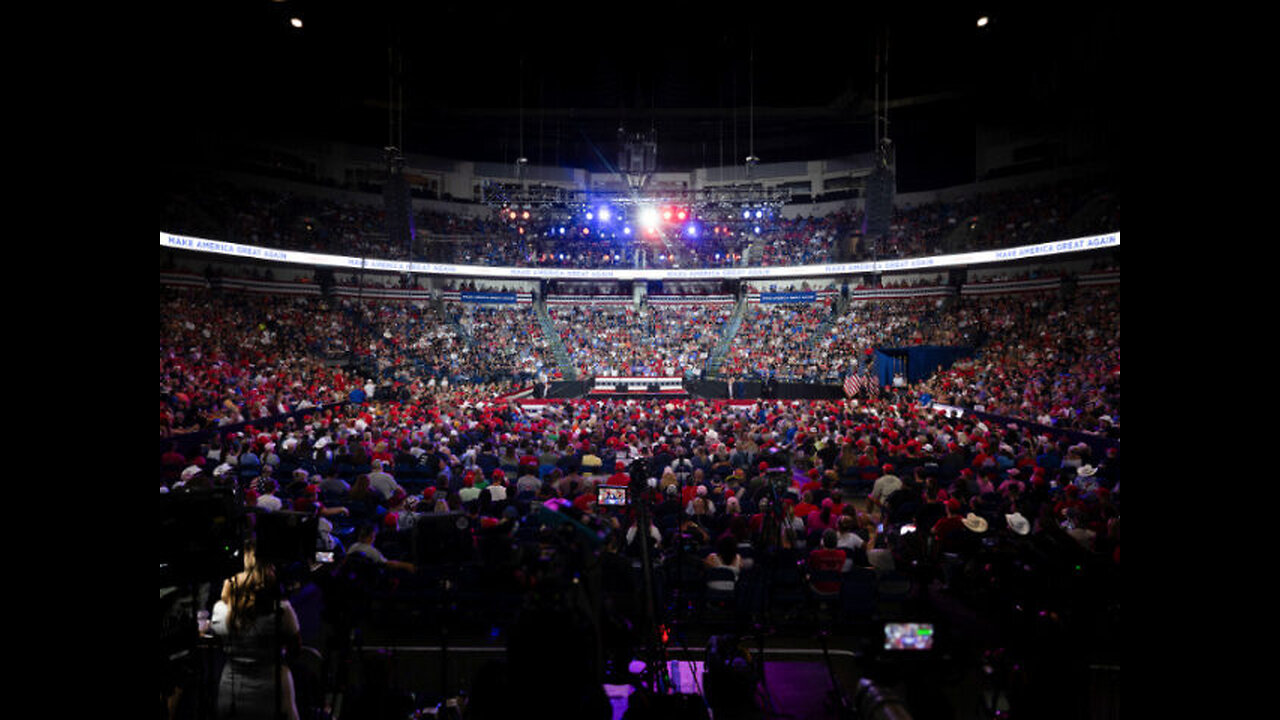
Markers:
<point>626,231</point>
<point>746,214</point>
<point>605,215</point>
<point>681,215</point>
<point>590,216</point>
<point>648,217</point>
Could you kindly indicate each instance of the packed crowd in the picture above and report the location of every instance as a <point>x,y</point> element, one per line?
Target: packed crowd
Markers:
<point>504,341</point>
<point>778,340</point>
<point>734,493</point>
<point>847,346</point>
<point>808,240</point>
<point>704,463</point>
<point>655,340</point>
<point>979,222</point>
<point>604,340</point>
<point>883,484</point>
<point>235,358</point>
<point>227,360</point>
<point>1044,359</point>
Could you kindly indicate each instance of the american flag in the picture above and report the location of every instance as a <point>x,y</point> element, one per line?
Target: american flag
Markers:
<point>854,383</point>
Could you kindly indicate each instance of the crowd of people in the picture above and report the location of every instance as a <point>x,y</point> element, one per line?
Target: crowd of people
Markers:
<point>666,340</point>
<point>232,358</point>
<point>980,221</point>
<point>504,342</point>
<point>225,359</point>
<point>778,340</point>
<point>257,399</point>
<point>375,417</point>
<point>808,240</point>
<point>731,495</point>
<point>1045,359</point>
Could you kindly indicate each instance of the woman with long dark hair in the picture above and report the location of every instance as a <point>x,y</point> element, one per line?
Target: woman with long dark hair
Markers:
<point>256,625</point>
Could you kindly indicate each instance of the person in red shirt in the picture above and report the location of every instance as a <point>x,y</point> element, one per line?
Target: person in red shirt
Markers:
<point>805,506</point>
<point>619,476</point>
<point>828,558</point>
<point>837,502</point>
<point>813,484</point>
<point>948,532</point>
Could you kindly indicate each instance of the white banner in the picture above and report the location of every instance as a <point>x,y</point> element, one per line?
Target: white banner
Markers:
<point>182,242</point>
<point>590,300</point>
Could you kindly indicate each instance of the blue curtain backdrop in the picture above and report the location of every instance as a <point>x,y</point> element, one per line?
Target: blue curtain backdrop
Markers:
<point>916,363</point>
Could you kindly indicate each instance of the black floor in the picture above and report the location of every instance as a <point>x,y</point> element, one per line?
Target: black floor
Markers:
<point>992,657</point>
<point>806,670</point>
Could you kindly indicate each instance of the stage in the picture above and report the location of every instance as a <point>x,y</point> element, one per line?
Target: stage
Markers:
<point>648,388</point>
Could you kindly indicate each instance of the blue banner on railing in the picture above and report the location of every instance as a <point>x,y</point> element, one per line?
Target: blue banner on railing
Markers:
<point>788,297</point>
<point>491,298</point>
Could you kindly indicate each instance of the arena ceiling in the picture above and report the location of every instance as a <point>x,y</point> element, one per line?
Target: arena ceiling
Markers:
<point>552,83</point>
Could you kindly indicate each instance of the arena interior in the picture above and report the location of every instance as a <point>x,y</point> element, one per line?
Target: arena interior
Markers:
<point>692,365</point>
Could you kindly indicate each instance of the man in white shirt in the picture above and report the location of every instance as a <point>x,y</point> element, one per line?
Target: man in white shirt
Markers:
<point>364,545</point>
<point>268,500</point>
<point>885,485</point>
<point>381,481</point>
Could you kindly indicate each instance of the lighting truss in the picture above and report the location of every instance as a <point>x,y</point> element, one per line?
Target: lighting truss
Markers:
<point>542,197</point>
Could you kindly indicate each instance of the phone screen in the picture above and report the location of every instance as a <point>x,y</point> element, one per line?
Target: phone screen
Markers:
<point>908,636</point>
<point>612,495</point>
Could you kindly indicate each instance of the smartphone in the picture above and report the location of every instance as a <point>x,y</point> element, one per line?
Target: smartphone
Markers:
<point>324,557</point>
<point>914,636</point>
